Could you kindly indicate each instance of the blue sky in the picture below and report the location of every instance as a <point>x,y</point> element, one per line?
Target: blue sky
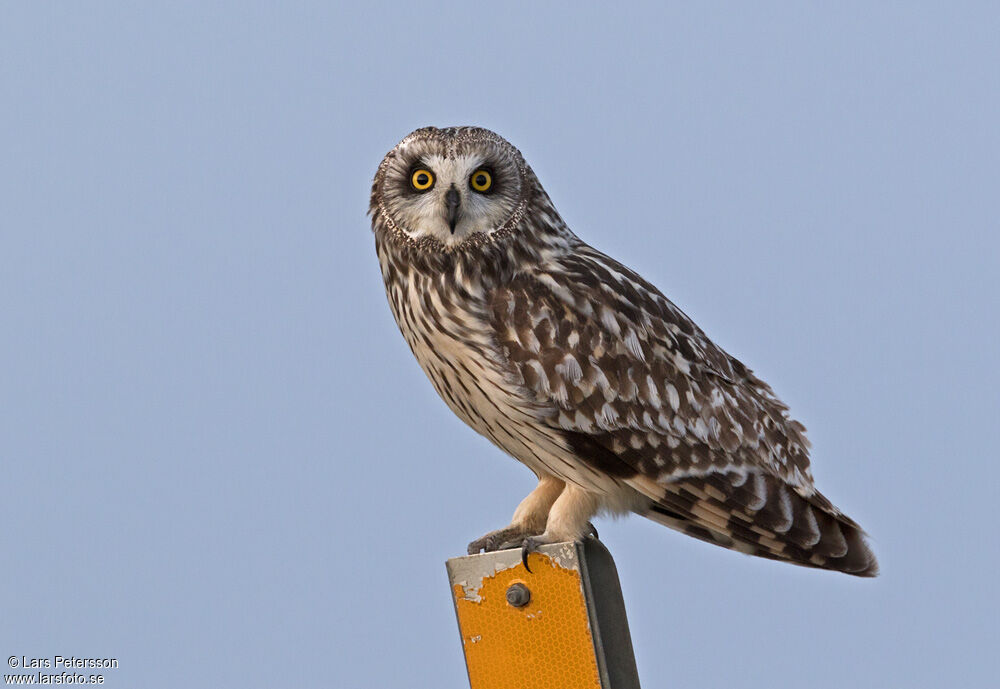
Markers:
<point>221,463</point>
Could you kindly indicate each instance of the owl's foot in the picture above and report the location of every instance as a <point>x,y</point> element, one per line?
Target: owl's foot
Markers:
<point>507,537</point>
<point>532,543</point>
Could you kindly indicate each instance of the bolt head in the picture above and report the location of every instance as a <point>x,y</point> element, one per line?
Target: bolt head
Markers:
<point>518,595</point>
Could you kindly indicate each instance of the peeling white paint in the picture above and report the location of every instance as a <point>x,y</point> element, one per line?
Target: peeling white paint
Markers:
<point>470,571</point>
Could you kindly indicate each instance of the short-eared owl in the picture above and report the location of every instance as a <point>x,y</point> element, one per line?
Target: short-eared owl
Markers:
<point>582,370</point>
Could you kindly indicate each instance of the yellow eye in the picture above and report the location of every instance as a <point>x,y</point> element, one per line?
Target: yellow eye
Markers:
<point>422,179</point>
<point>481,180</point>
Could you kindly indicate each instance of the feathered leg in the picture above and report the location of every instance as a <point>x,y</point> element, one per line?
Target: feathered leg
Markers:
<point>569,520</point>
<point>529,518</point>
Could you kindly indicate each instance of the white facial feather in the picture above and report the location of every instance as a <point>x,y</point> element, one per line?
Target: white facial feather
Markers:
<point>424,215</point>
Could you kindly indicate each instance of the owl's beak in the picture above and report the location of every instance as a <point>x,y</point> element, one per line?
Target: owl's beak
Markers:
<point>451,202</point>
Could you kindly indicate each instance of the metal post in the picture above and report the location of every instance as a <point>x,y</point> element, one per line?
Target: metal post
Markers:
<point>560,625</point>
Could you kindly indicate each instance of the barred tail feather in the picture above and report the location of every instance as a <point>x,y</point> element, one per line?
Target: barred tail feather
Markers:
<point>759,514</point>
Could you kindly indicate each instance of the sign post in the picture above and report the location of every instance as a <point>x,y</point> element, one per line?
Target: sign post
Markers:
<point>561,625</point>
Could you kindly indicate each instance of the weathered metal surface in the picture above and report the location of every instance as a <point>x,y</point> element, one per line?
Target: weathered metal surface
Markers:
<point>561,625</point>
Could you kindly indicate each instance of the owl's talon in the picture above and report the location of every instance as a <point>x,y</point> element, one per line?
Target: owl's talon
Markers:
<point>529,546</point>
<point>592,531</point>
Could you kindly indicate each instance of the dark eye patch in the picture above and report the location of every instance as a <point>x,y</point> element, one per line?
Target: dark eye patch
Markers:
<point>421,178</point>
<point>482,180</point>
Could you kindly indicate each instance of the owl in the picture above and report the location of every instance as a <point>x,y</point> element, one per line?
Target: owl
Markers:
<point>581,369</point>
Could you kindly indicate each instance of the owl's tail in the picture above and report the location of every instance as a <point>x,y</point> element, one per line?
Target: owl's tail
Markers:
<point>759,514</point>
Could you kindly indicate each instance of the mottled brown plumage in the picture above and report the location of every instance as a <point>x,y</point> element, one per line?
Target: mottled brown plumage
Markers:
<point>581,369</point>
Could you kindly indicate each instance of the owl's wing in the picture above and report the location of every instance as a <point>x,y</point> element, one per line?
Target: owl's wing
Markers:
<point>638,391</point>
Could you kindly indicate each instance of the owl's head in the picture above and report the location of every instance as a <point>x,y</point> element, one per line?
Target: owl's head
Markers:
<point>443,188</point>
